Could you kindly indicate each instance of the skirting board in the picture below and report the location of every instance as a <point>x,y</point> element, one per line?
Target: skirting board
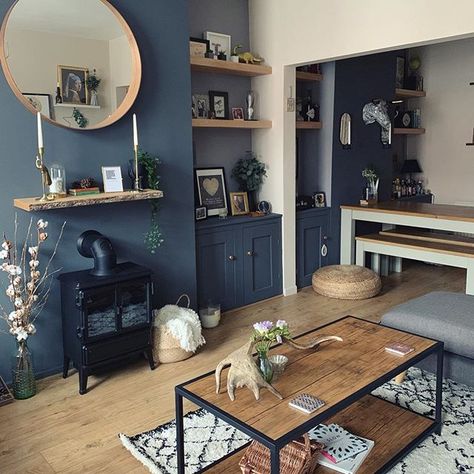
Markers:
<point>291,290</point>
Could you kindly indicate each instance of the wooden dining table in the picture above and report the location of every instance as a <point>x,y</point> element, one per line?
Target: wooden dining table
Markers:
<point>409,214</point>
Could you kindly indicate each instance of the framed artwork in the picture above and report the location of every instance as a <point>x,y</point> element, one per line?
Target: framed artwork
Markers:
<point>219,105</point>
<point>237,113</point>
<point>112,177</point>
<point>319,199</point>
<point>400,72</point>
<point>211,189</point>
<point>41,103</point>
<point>72,81</point>
<point>219,42</point>
<point>198,47</point>
<point>239,203</point>
<point>201,213</point>
<point>200,104</point>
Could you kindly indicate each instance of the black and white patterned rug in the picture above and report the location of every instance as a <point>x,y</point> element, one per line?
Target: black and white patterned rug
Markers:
<point>208,438</point>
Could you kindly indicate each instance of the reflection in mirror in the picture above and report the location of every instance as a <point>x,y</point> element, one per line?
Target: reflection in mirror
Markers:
<point>75,61</point>
<point>345,130</point>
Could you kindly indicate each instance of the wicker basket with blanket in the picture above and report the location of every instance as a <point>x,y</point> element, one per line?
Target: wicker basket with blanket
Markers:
<point>176,333</point>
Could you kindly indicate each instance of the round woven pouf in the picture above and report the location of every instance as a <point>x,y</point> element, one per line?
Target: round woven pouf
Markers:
<point>346,282</point>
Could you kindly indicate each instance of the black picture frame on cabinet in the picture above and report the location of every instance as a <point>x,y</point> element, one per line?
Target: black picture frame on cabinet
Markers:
<point>211,189</point>
<point>219,105</point>
<point>201,213</point>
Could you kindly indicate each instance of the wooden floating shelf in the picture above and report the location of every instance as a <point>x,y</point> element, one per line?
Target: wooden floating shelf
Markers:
<point>78,106</point>
<point>215,123</point>
<point>228,67</point>
<point>408,94</point>
<point>300,125</point>
<point>308,76</point>
<point>408,131</point>
<point>32,204</point>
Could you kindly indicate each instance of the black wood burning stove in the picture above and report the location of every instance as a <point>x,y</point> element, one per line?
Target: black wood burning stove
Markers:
<point>107,318</point>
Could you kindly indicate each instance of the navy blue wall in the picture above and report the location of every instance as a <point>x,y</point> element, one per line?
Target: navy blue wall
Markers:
<point>163,109</point>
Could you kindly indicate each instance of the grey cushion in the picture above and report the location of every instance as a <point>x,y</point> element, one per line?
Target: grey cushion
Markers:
<point>448,317</point>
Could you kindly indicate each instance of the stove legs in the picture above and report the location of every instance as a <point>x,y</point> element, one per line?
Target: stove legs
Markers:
<point>65,366</point>
<point>83,381</point>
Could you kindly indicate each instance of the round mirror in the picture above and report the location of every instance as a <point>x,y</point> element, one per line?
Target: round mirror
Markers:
<point>77,62</point>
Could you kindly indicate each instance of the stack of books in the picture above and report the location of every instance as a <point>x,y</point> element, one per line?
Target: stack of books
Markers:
<point>84,191</point>
<point>343,452</point>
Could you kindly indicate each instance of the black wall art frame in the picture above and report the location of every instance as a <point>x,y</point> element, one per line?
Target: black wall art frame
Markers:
<point>211,189</point>
<point>219,105</point>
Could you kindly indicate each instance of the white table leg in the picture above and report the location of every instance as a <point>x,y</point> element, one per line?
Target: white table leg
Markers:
<point>347,237</point>
<point>384,265</point>
<point>396,264</point>
<point>360,253</point>
<point>375,264</point>
<point>470,280</point>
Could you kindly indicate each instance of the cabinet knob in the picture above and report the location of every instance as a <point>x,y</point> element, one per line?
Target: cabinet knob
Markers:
<point>232,258</point>
<point>325,237</point>
<point>250,253</point>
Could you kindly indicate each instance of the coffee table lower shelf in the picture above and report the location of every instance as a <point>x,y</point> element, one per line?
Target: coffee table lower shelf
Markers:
<point>395,430</point>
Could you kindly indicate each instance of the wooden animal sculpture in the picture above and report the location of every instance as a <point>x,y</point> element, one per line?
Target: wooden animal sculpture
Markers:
<point>249,58</point>
<point>244,372</point>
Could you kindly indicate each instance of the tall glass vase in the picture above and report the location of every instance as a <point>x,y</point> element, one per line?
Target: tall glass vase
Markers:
<point>265,366</point>
<point>23,376</point>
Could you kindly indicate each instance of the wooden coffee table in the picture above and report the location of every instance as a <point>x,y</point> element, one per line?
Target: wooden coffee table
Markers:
<point>343,374</point>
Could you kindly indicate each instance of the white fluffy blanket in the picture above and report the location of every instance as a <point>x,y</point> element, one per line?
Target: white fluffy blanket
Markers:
<point>184,325</point>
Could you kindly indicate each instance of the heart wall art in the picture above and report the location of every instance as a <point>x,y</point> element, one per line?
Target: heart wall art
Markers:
<point>211,190</point>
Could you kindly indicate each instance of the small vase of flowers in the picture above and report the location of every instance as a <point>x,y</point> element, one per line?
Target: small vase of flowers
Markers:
<point>93,83</point>
<point>372,188</point>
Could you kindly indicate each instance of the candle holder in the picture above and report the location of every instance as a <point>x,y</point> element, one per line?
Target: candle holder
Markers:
<point>45,176</point>
<point>136,185</point>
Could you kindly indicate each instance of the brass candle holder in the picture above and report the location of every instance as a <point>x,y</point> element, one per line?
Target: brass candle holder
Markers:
<point>45,176</point>
<point>136,186</point>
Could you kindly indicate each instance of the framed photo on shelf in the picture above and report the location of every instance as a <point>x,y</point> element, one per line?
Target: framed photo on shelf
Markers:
<point>112,177</point>
<point>219,105</point>
<point>219,42</point>
<point>319,199</point>
<point>237,113</point>
<point>72,81</point>
<point>41,103</point>
<point>200,104</point>
<point>211,189</point>
<point>198,47</point>
<point>239,203</point>
<point>201,213</point>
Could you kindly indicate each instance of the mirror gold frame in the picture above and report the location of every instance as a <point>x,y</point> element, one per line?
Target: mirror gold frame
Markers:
<point>134,84</point>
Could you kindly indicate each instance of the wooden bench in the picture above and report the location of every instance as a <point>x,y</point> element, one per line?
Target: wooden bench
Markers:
<point>404,246</point>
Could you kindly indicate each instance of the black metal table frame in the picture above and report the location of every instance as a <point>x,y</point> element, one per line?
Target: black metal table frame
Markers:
<point>274,445</point>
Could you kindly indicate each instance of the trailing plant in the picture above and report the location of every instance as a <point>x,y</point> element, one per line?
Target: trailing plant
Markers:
<point>93,82</point>
<point>79,118</point>
<point>154,237</point>
<point>249,172</point>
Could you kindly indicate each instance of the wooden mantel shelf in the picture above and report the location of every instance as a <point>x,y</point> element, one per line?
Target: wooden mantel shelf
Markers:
<point>228,67</point>
<point>408,131</point>
<point>408,94</point>
<point>33,205</point>
<point>308,76</point>
<point>215,123</point>
<point>300,125</point>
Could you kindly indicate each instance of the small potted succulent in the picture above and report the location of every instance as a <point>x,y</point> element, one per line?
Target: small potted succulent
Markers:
<point>235,53</point>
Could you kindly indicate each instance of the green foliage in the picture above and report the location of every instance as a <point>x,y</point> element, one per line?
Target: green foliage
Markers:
<point>150,163</point>
<point>79,118</point>
<point>370,173</point>
<point>249,172</point>
<point>93,81</point>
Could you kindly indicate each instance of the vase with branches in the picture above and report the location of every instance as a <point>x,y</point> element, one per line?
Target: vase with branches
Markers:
<point>93,83</point>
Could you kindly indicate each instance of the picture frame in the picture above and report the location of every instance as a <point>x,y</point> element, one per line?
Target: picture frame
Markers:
<point>237,113</point>
<point>200,213</point>
<point>319,199</point>
<point>400,72</point>
<point>72,83</point>
<point>112,179</point>
<point>239,203</point>
<point>200,104</point>
<point>211,189</point>
<point>219,105</point>
<point>198,47</point>
<point>218,42</point>
<point>40,102</point>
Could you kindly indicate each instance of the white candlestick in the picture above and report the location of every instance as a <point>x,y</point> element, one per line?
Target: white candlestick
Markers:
<point>390,134</point>
<point>349,133</point>
<point>40,131</point>
<point>135,131</point>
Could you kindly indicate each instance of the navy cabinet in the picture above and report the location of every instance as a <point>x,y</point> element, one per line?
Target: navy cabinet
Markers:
<point>238,260</point>
<point>312,242</point>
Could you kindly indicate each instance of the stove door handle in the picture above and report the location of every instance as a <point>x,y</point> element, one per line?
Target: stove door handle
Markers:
<point>80,333</point>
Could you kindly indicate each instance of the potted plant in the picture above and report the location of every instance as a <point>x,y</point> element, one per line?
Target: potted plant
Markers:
<point>235,53</point>
<point>371,190</point>
<point>93,83</point>
<point>249,173</point>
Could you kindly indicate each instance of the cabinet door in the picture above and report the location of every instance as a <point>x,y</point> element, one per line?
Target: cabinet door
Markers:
<point>311,236</point>
<point>262,261</point>
<point>217,266</point>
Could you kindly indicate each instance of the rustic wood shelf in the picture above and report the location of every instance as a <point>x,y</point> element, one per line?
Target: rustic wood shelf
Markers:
<point>228,67</point>
<point>78,106</point>
<point>300,125</point>
<point>308,76</point>
<point>408,94</point>
<point>215,123</point>
<point>408,131</point>
<point>32,204</point>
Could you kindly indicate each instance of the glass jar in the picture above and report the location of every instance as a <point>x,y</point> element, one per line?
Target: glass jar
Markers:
<point>58,180</point>
<point>265,366</point>
<point>23,376</point>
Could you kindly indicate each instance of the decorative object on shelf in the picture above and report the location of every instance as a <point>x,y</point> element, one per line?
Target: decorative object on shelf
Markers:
<point>210,315</point>
<point>58,99</point>
<point>376,111</point>
<point>219,42</point>
<point>209,54</point>
<point>28,290</point>
<point>304,202</point>
<point>319,199</point>
<point>79,118</point>
<point>345,132</point>
<point>39,161</point>
<point>314,68</point>
<point>400,73</point>
<point>249,173</point>
<point>201,105</point>
<point>237,113</point>
<point>407,119</point>
<point>93,83</point>
<point>372,186</point>
<point>222,56</point>
<point>211,189</point>
<point>198,47</point>
<point>136,185</point>
<point>264,207</point>
<point>84,186</point>
<point>250,101</point>
<point>58,180</point>
<point>278,363</point>
<point>201,213</point>
<point>414,81</point>
<point>249,58</point>
<point>112,177</point>
<point>223,213</point>
<point>177,332</point>
<point>219,105</point>
<point>40,102</point>
<point>235,53</point>
<point>5,394</point>
<point>73,82</point>
<point>310,110</point>
<point>239,203</point>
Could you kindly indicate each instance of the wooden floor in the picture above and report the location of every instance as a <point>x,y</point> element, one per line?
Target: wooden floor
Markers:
<point>61,431</point>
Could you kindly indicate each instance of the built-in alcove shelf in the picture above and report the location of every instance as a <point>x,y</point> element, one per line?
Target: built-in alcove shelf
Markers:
<point>228,67</point>
<point>78,106</point>
<point>217,123</point>
<point>308,76</point>
<point>408,131</point>
<point>300,125</point>
<point>408,94</point>
<point>33,205</point>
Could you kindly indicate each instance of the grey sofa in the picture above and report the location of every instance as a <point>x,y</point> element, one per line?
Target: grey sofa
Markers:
<point>447,317</point>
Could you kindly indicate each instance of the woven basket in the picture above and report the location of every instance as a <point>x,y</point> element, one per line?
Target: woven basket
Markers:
<point>297,457</point>
<point>346,282</point>
<point>166,347</point>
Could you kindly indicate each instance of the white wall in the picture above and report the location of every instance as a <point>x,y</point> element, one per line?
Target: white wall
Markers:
<point>448,116</point>
<point>120,70</point>
<point>305,31</point>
